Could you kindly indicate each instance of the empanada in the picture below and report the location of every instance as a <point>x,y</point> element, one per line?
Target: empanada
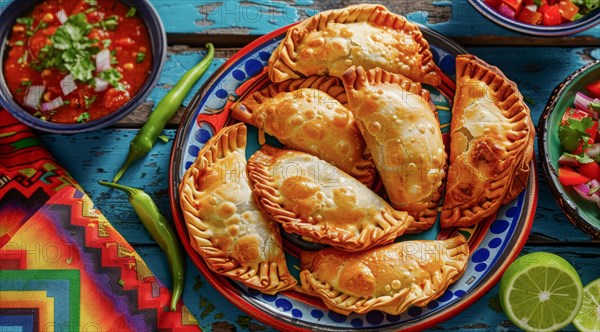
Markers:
<point>314,199</point>
<point>389,278</point>
<point>308,115</point>
<point>226,227</point>
<point>363,35</point>
<point>491,144</point>
<point>400,125</point>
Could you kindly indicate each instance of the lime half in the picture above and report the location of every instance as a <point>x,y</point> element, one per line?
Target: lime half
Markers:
<point>588,318</point>
<point>541,292</point>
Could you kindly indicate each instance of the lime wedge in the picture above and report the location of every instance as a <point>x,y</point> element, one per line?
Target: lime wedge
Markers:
<point>541,292</point>
<point>588,318</point>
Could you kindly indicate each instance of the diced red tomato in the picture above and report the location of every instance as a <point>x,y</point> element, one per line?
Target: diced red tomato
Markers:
<point>594,89</point>
<point>590,170</point>
<point>515,5</point>
<point>543,8</point>
<point>494,3</point>
<point>569,177</point>
<point>530,17</point>
<point>551,16</point>
<point>580,147</point>
<point>567,9</point>
<point>577,114</point>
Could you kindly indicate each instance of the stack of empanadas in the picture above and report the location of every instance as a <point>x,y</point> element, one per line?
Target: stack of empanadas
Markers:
<point>346,99</point>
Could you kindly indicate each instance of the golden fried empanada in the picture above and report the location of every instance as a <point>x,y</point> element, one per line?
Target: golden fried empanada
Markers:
<point>491,144</point>
<point>363,35</point>
<point>309,115</point>
<point>400,126</point>
<point>314,199</point>
<point>226,227</point>
<point>389,278</point>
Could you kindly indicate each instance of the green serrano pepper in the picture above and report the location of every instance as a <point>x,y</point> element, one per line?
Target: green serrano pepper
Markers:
<point>144,140</point>
<point>161,231</point>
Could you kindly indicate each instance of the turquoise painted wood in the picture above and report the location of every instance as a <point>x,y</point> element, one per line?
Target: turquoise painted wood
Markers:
<point>261,17</point>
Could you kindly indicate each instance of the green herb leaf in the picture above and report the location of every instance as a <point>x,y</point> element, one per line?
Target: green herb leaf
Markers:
<point>19,43</point>
<point>140,57</point>
<point>79,64</point>
<point>130,12</point>
<point>83,117</point>
<point>26,83</point>
<point>582,158</point>
<point>111,23</point>
<point>572,134</point>
<point>67,102</point>
<point>89,101</point>
<point>106,43</point>
<point>112,76</point>
<point>594,106</point>
<point>593,190</point>
<point>19,90</point>
<point>92,2</point>
<point>23,58</point>
<point>27,21</point>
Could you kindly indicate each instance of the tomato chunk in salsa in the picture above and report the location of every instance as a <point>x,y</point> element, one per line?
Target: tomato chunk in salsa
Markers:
<point>76,61</point>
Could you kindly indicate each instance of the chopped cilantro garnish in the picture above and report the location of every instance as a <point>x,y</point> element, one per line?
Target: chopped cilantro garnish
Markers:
<point>83,117</point>
<point>23,58</point>
<point>130,12</point>
<point>110,23</point>
<point>113,57</point>
<point>140,57</point>
<point>595,106</point>
<point>67,102</point>
<point>582,158</point>
<point>92,2</point>
<point>19,43</point>
<point>572,134</point>
<point>27,21</point>
<point>89,10</point>
<point>106,43</point>
<point>18,90</point>
<point>89,101</point>
<point>112,76</point>
<point>71,49</point>
<point>25,83</point>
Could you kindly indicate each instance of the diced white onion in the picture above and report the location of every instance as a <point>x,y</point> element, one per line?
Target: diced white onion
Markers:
<point>594,150</point>
<point>100,84</point>
<point>532,8</point>
<point>62,16</point>
<point>68,85</point>
<point>34,94</point>
<point>52,105</point>
<point>102,60</point>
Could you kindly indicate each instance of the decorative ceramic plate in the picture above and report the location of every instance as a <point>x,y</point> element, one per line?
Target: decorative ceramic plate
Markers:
<point>494,243</point>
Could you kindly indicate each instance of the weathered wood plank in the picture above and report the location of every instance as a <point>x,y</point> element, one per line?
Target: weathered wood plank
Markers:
<point>484,315</point>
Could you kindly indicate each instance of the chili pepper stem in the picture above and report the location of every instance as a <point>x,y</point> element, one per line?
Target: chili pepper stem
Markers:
<point>134,155</point>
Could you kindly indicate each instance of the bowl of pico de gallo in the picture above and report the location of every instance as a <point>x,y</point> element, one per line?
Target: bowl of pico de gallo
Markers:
<point>76,66</point>
<point>546,18</point>
<point>569,147</point>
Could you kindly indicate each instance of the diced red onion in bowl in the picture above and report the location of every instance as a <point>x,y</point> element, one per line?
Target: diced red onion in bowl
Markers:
<point>100,84</point>
<point>506,11</point>
<point>67,84</point>
<point>583,190</point>
<point>34,94</point>
<point>102,60</point>
<point>52,105</point>
<point>61,15</point>
<point>582,102</point>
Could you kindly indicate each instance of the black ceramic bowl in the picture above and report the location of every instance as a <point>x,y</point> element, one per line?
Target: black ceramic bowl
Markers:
<point>158,40</point>
<point>584,214</point>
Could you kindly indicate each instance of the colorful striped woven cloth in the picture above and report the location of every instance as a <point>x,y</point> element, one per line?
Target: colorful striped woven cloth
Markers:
<point>63,267</point>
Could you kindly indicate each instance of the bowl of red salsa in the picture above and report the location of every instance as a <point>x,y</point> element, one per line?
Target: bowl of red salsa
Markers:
<point>541,17</point>
<point>78,65</point>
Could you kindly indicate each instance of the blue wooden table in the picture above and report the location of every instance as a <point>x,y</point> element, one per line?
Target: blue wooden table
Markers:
<point>537,65</point>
